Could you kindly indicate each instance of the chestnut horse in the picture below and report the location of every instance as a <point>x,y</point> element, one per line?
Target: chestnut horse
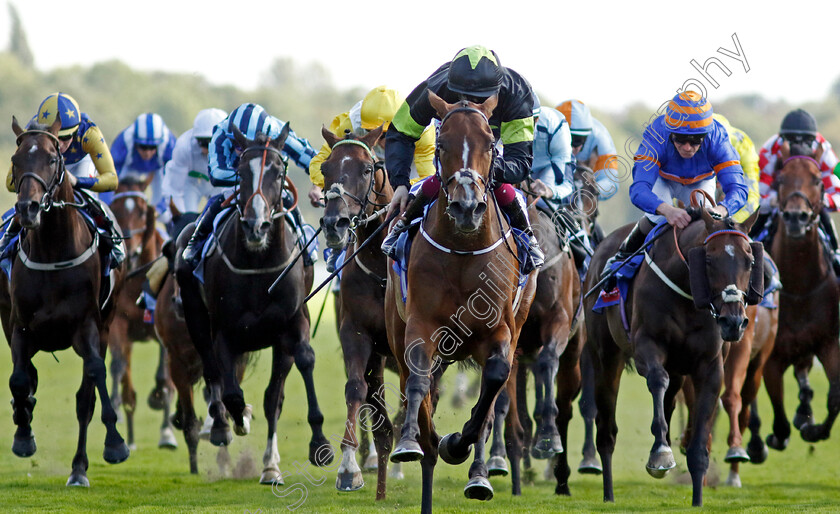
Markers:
<point>233,313</point>
<point>673,333</point>
<point>53,300</point>
<point>808,310</point>
<point>464,299</point>
<point>143,245</point>
<point>356,186</point>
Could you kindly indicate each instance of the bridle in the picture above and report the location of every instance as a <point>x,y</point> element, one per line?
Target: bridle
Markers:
<point>465,176</point>
<point>275,213</point>
<point>56,179</point>
<point>814,216</point>
<point>336,189</point>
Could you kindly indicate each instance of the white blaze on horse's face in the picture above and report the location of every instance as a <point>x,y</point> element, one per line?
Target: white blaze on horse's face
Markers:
<point>258,202</point>
<point>730,250</point>
<point>33,149</point>
<point>129,204</point>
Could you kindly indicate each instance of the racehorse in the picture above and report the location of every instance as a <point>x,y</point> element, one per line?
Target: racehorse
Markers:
<point>673,333</point>
<point>356,185</point>
<point>808,309</point>
<point>465,247</point>
<point>233,313</point>
<point>143,245</point>
<point>53,300</point>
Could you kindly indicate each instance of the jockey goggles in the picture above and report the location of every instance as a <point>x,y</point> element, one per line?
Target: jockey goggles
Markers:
<point>692,139</point>
<point>578,140</point>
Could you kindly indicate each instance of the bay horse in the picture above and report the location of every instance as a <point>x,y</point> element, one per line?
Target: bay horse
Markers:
<point>673,333</point>
<point>356,186</point>
<point>52,301</point>
<point>136,218</point>
<point>233,313</point>
<point>808,309</point>
<point>465,247</point>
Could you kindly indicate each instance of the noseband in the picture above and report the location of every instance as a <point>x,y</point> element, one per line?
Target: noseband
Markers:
<point>265,149</point>
<point>336,189</point>
<point>465,176</point>
<point>57,177</point>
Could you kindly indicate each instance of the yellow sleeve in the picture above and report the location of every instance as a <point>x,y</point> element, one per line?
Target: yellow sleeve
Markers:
<point>94,145</point>
<point>424,153</point>
<point>749,162</point>
<point>339,124</point>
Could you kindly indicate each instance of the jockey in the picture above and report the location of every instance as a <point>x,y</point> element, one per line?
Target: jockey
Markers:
<point>681,150</point>
<point>742,144</point>
<point>251,119</point>
<point>592,146</point>
<point>799,127</point>
<point>87,161</point>
<point>377,108</point>
<point>474,74</point>
<point>141,151</point>
<point>185,180</point>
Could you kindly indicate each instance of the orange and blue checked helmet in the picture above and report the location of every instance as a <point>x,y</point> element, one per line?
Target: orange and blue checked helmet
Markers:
<point>63,106</point>
<point>689,113</point>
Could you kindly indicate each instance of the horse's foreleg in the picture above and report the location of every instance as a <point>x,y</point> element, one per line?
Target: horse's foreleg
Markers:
<point>129,394</point>
<point>305,362</point>
<point>522,411</point>
<point>383,429</point>
<point>650,364</point>
<point>774,383</point>
<point>607,367</point>
<point>804,415</point>
<point>589,464</point>
<point>415,381</point>
<point>118,364</point>
<point>478,487</point>
<point>357,346</point>
<point>232,395</point>
<point>496,464</point>
<point>85,402</point>
<point>455,448</point>
<point>160,396</point>
<point>829,355</point>
<point>734,376</point>
<point>22,384</point>
<point>187,420</point>
<point>707,383</point>
<point>568,382</point>
<point>514,432</point>
<point>547,440</point>
<point>273,398</point>
<point>429,442</point>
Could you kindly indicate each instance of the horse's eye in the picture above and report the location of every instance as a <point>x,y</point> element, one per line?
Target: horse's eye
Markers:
<point>368,169</point>
<point>817,181</point>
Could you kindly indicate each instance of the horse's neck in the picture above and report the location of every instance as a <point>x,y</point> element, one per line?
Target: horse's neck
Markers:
<point>801,261</point>
<point>61,235</point>
<point>442,228</point>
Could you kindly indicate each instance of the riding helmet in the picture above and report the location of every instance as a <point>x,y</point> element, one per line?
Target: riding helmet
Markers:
<point>379,107</point>
<point>63,106</point>
<point>689,113</point>
<point>149,129</point>
<point>799,122</point>
<point>205,120</point>
<point>577,116</point>
<point>475,71</point>
<point>251,119</point>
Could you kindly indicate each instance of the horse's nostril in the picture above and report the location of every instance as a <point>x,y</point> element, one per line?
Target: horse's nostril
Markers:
<point>265,226</point>
<point>342,223</point>
<point>744,323</point>
<point>803,217</point>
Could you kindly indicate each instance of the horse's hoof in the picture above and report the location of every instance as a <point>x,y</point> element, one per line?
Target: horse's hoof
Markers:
<point>371,462</point>
<point>158,398</point>
<point>220,436</point>
<point>733,480</point>
<point>116,453</point>
<point>204,433</point>
<point>407,451</point>
<point>396,472</point>
<point>245,427</point>
<point>349,481</point>
<point>167,439</point>
<point>78,480</point>
<point>547,448</point>
<point>802,419</point>
<point>776,443</point>
<point>736,454</point>
<point>317,455</point>
<point>24,446</point>
<point>660,462</point>
<point>271,476</point>
<point>813,433</point>
<point>757,451</point>
<point>479,488</point>
<point>497,466</point>
<point>590,466</point>
<point>445,452</point>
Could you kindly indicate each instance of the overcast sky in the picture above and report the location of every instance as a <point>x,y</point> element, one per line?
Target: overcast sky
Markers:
<point>608,54</point>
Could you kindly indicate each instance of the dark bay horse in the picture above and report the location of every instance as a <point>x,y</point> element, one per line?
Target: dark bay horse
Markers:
<point>672,333</point>
<point>356,186</point>
<point>233,314</point>
<point>808,310</point>
<point>143,243</point>
<point>463,298</point>
<point>53,300</point>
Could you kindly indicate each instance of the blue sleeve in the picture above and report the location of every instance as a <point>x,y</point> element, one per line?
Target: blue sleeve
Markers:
<point>170,146</point>
<point>119,152</point>
<point>219,161</point>
<point>299,150</point>
<point>730,175</point>
<point>646,168</point>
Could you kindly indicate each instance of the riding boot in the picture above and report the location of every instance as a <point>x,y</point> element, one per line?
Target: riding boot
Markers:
<point>519,220</point>
<point>827,225</point>
<point>631,243</point>
<point>203,228</point>
<point>111,245</point>
<point>12,232</point>
<point>332,259</point>
<point>413,210</point>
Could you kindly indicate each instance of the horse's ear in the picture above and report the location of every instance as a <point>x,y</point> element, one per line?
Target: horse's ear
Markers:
<point>784,151</point>
<point>489,105</point>
<point>16,127</point>
<point>749,222</point>
<point>372,137</point>
<point>280,140</point>
<point>240,138</point>
<point>439,104</point>
<point>329,137</point>
<point>707,219</point>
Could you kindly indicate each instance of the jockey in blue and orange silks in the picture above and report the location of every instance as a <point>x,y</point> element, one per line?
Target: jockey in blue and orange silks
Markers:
<point>681,150</point>
<point>223,159</point>
<point>474,74</point>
